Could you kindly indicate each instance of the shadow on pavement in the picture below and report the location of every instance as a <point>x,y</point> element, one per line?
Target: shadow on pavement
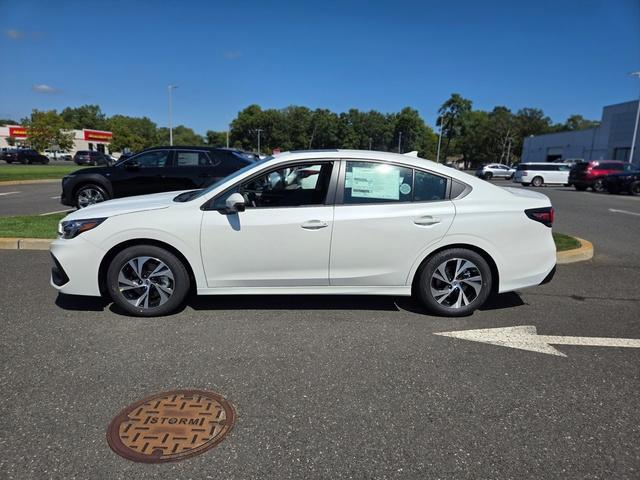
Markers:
<point>80,303</point>
<point>503,300</point>
<point>292,302</point>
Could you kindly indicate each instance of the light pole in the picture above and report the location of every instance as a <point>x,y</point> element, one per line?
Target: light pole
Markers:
<point>635,128</point>
<point>259,130</point>
<point>170,88</point>
<point>439,139</point>
<point>399,141</point>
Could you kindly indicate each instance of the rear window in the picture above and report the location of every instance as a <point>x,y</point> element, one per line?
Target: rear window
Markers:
<point>610,166</point>
<point>580,166</point>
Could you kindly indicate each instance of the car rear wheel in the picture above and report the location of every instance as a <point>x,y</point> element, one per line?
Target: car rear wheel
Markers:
<point>598,185</point>
<point>454,282</point>
<point>634,189</point>
<point>89,195</point>
<point>537,181</point>
<point>147,281</point>
<point>488,176</point>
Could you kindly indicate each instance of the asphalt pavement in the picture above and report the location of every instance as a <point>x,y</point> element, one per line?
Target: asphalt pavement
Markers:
<point>31,199</point>
<point>339,387</point>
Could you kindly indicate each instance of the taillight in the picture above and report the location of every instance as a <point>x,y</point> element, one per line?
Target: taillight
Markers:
<point>543,215</point>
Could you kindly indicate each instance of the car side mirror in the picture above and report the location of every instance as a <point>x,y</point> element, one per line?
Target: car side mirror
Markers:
<point>132,165</point>
<point>235,203</point>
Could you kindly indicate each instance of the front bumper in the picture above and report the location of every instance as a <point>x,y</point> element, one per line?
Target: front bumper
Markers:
<point>79,261</point>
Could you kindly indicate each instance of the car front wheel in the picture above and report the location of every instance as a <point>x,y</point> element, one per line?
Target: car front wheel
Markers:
<point>634,189</point>
<point>147,281</point>
<point>89,195</point>
<point>598,185</point>
<point>454,282</point>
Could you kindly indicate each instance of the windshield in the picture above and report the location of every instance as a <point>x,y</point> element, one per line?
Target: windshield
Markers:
<point>188,196</point>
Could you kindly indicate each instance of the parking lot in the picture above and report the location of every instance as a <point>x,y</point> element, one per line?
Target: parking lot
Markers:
<point>336,387</point>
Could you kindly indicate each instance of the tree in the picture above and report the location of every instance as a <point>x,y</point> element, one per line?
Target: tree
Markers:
<point>5,122</point>
<point>45,129</point>
<point>415,134</point>
<point>85,116</point>
<point>11,141</point>
<point>181,136</point>
<point>133,133</point>
<point>216,139</point>
<point>450,115</point>
<point>578,122</point>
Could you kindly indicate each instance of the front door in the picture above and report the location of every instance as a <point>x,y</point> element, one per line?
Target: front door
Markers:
<point>142,174</point>
<point>281,239</point>
<point>385,216</point>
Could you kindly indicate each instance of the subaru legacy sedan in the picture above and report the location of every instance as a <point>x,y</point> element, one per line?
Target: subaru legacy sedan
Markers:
<point>312,222</point>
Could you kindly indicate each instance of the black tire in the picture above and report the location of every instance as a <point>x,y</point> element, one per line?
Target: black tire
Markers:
<point>84,191</point>
<point>179,286</point>
<point>634,189</point>
<point>537,181</point>
<point>488,176</point>
<point>427,280</point>
<point>580,188</point>
<point>598,185</point>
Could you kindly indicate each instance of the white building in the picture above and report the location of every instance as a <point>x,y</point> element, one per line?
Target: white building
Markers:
<point>84,139</point>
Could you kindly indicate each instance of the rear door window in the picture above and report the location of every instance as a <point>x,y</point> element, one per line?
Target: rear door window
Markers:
<point>370,182</point>
<point>428,187</point>
<point>186,158</point>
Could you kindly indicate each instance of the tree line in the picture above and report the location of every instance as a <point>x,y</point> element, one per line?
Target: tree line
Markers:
<point>474,136</point>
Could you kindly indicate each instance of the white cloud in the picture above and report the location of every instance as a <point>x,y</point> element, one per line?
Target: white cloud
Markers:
<point>232,55</point>
<point>43,88</point>
<point>13,34</point>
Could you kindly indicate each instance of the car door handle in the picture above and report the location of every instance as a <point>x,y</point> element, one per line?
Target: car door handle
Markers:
<point>426,220</point>
<point>314,225</point>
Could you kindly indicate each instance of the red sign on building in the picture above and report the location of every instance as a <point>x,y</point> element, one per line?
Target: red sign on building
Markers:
<point>18,132</point>
<point>97,135</point>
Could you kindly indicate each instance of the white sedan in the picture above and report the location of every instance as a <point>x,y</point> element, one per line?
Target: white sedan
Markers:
<point>315,222</point>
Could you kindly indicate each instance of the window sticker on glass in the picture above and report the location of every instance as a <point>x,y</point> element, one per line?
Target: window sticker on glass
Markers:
<point>405,189</point>
<point>348,179</point>
<point>379,181</point>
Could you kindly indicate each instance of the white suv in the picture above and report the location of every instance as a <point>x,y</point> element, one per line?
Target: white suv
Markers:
<point>317,222</point>
<point>543,173</point>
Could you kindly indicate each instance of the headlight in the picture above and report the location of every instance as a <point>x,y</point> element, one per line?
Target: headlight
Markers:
<point>72,228</point>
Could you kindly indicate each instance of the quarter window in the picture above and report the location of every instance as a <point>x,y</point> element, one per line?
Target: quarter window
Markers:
<point>290,186</point>
<point>368,182</point>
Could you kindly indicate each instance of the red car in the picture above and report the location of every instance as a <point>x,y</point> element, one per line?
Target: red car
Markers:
<point>591,174</point>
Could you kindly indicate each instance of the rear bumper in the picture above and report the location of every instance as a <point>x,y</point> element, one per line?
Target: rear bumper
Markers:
<point>549,277</point>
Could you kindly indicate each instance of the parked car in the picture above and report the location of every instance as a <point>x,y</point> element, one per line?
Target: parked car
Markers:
<point>591,174</point>
<point>542,173</point>
<point>372,223</point>
<point>628,181</point>
<point>25,155</point>
<point>497,170</point>
<point>91,157</point>
<point>58,155</point>
<point>159,169</point>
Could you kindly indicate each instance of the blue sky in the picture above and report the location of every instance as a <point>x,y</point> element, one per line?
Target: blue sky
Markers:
<point>562,56</point>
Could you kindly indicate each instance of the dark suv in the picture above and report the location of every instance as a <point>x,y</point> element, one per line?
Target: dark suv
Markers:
<point>25,155</point>
<point>91,157</point>
<point>591,174</point>
<point>158,169</point>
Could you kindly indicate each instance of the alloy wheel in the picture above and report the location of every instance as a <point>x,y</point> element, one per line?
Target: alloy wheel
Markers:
<point>89,196</point>
<point>146,282</point>
<point>456,283</point>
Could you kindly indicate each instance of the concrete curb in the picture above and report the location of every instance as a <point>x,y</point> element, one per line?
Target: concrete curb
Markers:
<point>585,252</point>
<point>25,243</point>
<point>30,182</point>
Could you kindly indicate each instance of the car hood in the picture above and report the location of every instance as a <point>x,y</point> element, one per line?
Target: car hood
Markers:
<point>122,206</point>
<point>624,174</point>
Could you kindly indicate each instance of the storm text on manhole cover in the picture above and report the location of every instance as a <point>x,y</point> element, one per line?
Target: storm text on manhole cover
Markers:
<point>171,426</point>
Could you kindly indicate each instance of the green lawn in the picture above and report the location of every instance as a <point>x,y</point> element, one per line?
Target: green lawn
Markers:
<point>565,242</point>
<point>35,172</point>
<point>30,226</point>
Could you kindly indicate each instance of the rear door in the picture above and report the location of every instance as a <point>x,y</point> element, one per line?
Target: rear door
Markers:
<point>385,216</point>
<point>190,170</point>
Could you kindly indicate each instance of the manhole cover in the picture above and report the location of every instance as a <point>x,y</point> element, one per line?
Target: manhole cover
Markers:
<point>171,426</point>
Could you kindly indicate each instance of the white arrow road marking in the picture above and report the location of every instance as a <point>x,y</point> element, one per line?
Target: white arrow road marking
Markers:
<point>525,337</point>
<point>624,211</point>
<point>7,193</point>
